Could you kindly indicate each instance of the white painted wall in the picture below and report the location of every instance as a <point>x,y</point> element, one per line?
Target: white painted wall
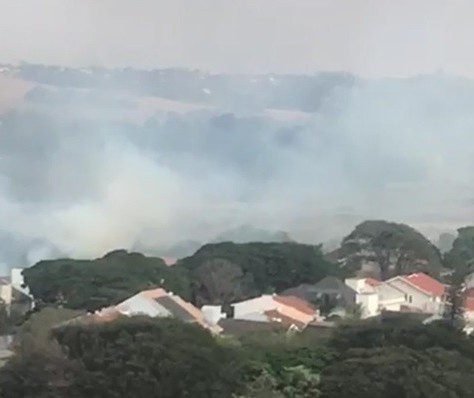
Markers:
<point>254,316</point>
<point>369,303</point>
<point>417,299</point>
<point>255,305</point>
<point>139,305</point>
<point>212,314</point>
<point>6,293</point>
<point>16,277</point>
<point>355,283</point>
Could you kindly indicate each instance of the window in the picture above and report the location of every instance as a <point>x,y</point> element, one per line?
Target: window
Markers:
<point>410,299</point>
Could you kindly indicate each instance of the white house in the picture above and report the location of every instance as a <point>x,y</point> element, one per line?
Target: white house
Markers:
<point>420,292</point>
<point>416,292</point>
<point>213,314</point>
<point>290,310</point>
<point>12,290</point>
<point>390,298</point>
<point>366,295</point>
<point>247,309</point>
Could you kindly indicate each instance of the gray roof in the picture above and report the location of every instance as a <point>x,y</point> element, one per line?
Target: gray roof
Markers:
<point>175,309</point>
<point>331,283</point>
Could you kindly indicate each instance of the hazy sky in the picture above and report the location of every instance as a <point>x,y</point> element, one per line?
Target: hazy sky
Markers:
<point>369,37</point>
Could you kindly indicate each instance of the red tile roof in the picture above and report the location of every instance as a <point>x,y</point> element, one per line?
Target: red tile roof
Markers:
<point>469,292</point>
<point>372,282</point>
<point>469,304</point>
<point>426,283</point>
<point>296,303</point>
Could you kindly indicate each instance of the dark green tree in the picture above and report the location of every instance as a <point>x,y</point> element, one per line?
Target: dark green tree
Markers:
<point>454,305</point>
<point>93,284</point>
<point>399,372</point>
<point>144,356</point>
<point>254,269</point>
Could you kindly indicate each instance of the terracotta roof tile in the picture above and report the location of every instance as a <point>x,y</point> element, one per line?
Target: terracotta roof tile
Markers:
<point>154,293</point>
<point>372,282</point>
<point>426,283</point>
<point>297,303</point>
<point>469,304</point>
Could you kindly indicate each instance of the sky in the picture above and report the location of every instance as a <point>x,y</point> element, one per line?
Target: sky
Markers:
<point>366,37</point>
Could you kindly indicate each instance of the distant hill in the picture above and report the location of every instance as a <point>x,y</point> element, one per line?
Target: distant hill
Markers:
<point>384,249</point>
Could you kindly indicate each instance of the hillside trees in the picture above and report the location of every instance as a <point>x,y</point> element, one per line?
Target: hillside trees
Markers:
<point>93,284</point>
<point>254,269</point>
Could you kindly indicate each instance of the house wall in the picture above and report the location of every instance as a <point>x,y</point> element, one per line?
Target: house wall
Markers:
<point>396,307</point>
<point>138,305</point>
<point>253,316</point>
<point>17,277</point>
<point>469,316</point>
<point>356,284</point>
<point>369,303</point>
<point>6,294</point>
<point>415,298</point>
<point>256,305</point>
<point>390,299</point>
<point>212,314</point>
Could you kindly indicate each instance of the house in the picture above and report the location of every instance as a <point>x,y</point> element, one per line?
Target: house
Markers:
<point>289,311</point>
<point>14,293</point>
<point>6,290</point>
<point>366,295</point>
<point>420,292</point>
<point>329,292</point>
<point>155,303</point>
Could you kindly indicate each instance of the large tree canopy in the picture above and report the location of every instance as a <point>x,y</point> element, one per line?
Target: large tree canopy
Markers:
<point>399,372</point>
<point>93,284</point>
<point>253,269</point>
<point>139,357</point>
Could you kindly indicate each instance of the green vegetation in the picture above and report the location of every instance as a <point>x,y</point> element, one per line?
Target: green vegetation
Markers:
<point>252,269</point>
<point>400,359</point>
<point>34,333</point>
<point>396,248</point>
<point>461,257</point>
<point>140,356</point>
<point>93,284</point>
<point>217,273</point>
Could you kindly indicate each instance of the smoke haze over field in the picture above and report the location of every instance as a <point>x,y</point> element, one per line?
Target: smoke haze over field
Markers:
<point>95,159</point>
<point>398,149</point>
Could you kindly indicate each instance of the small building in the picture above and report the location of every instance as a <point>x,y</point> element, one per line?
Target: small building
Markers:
<point>155,303</point>
<point>289,311</point>
<point>421,292</point>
